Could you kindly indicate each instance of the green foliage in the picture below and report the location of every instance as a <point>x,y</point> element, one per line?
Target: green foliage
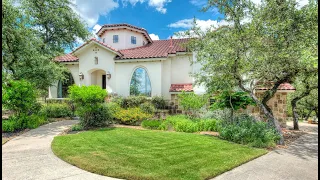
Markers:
<point>34,32</point>
<point>19,96</point>
<point>117,99</point>
<point>89,101</point>
<point>113,108</point>
<point>248,131</point>
<point>77,127</point>
<point>158,102</point>
<point>151,124</point>
<point>133,101</point>
<point>87,95</point>
<point>17,123</point>
<point>192,102</point>
<point>94,116</point>
<point>55,110</point>
<point>232,100</point>
<point>131,115</point>
<point>147,107</point>
<point>182,123</point>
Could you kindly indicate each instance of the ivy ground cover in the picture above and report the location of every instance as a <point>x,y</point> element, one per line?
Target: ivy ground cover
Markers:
<point>145,154</point>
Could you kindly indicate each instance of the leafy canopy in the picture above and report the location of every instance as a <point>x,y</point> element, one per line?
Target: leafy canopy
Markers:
<point>35,32</point>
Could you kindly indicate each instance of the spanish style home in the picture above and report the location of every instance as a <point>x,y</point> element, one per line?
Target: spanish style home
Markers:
<point>126,61</point>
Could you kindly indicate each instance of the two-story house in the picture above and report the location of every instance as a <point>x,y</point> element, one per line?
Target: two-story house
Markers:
<point>126,61</point>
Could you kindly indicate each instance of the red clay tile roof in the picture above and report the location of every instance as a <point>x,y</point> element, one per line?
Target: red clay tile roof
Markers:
<point>66,58</point>
<point>103,44</point>
<point>157,49</point>
<point>127,25</point>
<point>181,87</point>
<point>283,86</point>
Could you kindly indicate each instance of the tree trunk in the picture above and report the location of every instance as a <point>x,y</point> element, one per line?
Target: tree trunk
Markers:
<point>294,113</point>
<point>270,117</point>
<point>316,111</point>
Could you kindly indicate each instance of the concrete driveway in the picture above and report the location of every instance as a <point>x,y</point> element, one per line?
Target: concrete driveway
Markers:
<point>29,156</point>
<point>298,162</point>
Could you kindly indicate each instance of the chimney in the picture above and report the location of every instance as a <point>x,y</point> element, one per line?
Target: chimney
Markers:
<point>171,42</point>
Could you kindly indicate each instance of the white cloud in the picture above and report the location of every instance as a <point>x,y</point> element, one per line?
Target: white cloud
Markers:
<point>203,24</point>
<point>154,36</point>
<point>199,3</point>
<point>91,10</point>
<point>158,4</point>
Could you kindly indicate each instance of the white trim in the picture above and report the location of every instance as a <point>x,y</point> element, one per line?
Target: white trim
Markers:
<point>134,69</point>
<point>138,60</point>
<point>99,33</point>
<point>77,51</point>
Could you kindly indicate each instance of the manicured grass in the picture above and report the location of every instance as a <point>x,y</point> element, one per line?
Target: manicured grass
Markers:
<point>146,154</point>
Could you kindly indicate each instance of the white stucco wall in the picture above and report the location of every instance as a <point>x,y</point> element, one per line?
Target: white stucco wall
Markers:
<point>166,78</point>
<point>124,39</point>
<point>124,73</point>
<point>180,69</point>
<point>105,63</point>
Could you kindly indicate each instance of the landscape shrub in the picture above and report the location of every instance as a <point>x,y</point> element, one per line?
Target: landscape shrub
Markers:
<point>77,127</point>
<point>90,108</point>
<point>131,116</point>
<point>94,116</point>
<point>19,96</point>
<point>117,99</point>
<point>56,110</point>
<point>113,108</point>
<point>147,107</point>
<point>209,125</point>
<point>158,102</point>
<point>87,95</point>
<point>251,132</point>
<point>164,126</point>
<point>16,123</point>
<point>58,100</point>
<point>133,101</point>
<point>182,123</point>
<point>192,103</point>
<point>151,124</point>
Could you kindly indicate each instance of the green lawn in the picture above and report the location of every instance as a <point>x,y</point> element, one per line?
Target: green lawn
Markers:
<point>146,154</point>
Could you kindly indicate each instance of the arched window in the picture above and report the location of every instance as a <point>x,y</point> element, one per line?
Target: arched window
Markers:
<point>64,85</point>
<point>140,83</point>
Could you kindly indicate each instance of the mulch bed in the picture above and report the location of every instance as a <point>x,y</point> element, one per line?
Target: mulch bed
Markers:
<point>290,136</point>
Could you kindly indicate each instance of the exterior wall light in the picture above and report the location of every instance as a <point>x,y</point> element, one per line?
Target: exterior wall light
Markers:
<point>81,76</point>
<point>108,75</point>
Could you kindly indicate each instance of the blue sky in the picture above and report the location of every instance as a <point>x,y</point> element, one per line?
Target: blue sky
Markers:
<point>161,18</point>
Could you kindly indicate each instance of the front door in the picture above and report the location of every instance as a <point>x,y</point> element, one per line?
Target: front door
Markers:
<point>103,81</point>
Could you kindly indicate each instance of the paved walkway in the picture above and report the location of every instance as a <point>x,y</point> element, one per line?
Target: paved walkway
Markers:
<point>29,156</point>
<point>298,162</point>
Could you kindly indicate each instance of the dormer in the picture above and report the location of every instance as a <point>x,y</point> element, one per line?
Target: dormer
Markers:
<point>123,36</point>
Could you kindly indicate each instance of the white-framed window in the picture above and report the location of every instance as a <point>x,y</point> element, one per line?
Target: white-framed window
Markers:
<point>115,38</point>
<point>143,43</point>
<point>133,40</point>
<point>140,82</point>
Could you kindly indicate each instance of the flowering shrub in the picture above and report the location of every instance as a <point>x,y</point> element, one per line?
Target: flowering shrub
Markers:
<point>131,115</point>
